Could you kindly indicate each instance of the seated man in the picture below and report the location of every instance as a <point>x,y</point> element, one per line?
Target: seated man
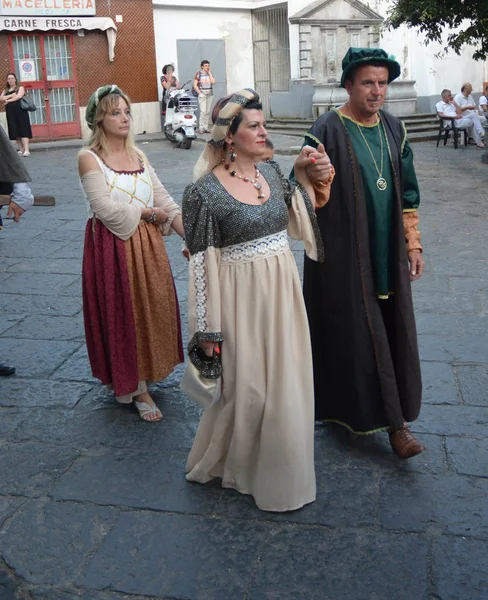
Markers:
<point>484,102</point>
<point>448,109</point>
<point>466,102</point>
<point>13,183</point>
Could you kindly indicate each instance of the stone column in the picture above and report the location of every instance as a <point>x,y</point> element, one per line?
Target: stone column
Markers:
<point>305,52</point>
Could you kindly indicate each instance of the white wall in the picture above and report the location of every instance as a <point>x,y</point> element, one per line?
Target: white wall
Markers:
<point>232,26</point>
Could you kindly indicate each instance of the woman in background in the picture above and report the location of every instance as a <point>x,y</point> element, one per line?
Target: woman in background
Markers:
<point>18,122</point>
<point>168,83</point>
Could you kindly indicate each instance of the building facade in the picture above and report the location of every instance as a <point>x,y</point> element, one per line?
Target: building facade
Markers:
<point>62,50</point>
<point>290,52</point>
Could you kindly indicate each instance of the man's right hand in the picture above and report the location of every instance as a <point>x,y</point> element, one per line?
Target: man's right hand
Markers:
<point>14,211</point>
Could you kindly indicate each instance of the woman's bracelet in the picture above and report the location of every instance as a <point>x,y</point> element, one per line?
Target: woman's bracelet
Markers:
<point>152,218</point>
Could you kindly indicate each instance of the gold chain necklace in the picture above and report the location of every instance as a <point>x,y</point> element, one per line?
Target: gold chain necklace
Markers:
<point>378,123</point>
<point>381,182</point>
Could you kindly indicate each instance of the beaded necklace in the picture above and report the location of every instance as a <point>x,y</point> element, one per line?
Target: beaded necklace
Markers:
<point>254,181</point>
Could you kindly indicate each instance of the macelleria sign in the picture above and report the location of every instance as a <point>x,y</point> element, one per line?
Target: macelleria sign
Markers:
<point>47,7</point>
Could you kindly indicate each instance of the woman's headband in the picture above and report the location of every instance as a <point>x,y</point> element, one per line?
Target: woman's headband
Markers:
<point>227,114</point>
<point>94,100</point>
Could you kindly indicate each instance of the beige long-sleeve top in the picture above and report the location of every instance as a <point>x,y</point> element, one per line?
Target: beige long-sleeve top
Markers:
<point>117,198</point>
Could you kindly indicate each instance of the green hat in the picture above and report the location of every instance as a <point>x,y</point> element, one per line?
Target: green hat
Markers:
<point>356,57</point>
<point>95,98</point>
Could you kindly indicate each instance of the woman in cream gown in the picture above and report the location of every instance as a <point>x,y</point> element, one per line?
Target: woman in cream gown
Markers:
<point>245,295</point>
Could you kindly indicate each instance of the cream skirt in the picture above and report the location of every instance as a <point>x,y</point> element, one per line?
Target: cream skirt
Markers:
<point>259,436</point>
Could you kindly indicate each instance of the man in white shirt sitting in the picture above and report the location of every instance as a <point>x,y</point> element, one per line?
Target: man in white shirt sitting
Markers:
<point>466,102</point>
<point>447,108</point>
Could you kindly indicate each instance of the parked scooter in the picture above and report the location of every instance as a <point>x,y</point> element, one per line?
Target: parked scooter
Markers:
<point>181,121</point>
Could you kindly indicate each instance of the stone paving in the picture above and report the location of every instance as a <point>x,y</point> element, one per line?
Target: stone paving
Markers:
<point>94,504</point>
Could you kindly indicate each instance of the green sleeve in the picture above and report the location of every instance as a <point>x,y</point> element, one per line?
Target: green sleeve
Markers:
<point>411,194</point>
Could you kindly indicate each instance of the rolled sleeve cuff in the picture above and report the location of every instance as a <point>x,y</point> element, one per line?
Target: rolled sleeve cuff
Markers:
<point>411,231</point>
<point>22,195</point>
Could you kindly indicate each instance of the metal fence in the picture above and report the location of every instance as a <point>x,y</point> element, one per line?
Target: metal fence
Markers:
<point>271,50</point>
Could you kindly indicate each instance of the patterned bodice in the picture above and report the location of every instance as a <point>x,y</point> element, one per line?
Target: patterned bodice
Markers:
<point>128,187</point>
<point>218,219</point>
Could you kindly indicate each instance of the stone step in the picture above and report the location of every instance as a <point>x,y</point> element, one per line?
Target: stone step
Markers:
<point>422,136</point>
<point>419,127</point>
<point>424,127</point>
<point>307,123</point>
<point>302,130</point>
<point>419,117</point>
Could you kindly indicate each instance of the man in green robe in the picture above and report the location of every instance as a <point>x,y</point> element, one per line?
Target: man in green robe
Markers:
<point>359,301</point>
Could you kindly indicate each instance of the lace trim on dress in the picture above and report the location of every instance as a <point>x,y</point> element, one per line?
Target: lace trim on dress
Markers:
<point>265,247</point>
<point>201,297</point>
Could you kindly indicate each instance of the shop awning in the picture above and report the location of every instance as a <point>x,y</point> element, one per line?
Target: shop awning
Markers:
<point>62,24</point>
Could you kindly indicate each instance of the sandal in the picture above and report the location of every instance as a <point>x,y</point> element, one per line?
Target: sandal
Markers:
<point>25,153</point>
<point>146,411</point>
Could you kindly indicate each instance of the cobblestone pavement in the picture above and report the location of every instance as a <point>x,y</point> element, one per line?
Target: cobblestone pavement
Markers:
<point>94,503</point>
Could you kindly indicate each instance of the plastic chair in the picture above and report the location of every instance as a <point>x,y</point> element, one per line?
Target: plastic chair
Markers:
<point>447,130</point>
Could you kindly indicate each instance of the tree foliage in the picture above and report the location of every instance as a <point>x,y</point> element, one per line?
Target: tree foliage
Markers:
<point>464,21</point>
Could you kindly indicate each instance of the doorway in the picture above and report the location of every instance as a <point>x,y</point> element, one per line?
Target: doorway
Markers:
<point>271,51</point>
<point>45,65</point>
<point>190,53</point>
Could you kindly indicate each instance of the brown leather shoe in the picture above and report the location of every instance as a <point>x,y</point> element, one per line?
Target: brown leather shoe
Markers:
<point>404,444</point>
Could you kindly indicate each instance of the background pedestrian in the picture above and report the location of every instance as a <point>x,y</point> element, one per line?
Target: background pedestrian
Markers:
<point>168,82</point>
<point>18,122</point>
<point>202,84</point>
